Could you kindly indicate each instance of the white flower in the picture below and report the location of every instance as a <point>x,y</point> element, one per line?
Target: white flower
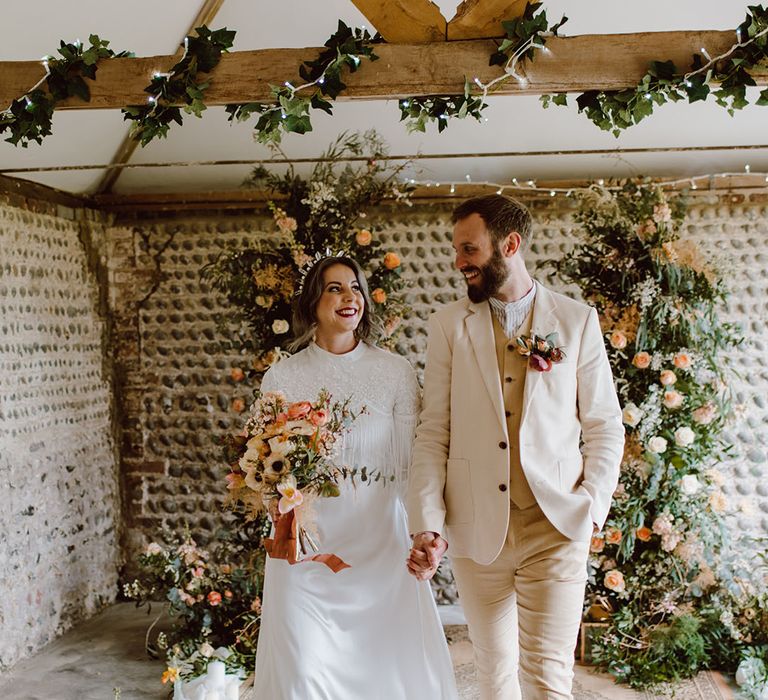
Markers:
<point>206,650</point>
<point>657,444</point>
<point>689,484</point>
<point>684,436</point>
<point>631,415</point>
<point>280,326</point>
<point>154,548</point>
<point>751,671</point>
<point>280,447</point>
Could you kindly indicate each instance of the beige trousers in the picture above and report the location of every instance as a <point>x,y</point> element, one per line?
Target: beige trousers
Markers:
<point>524,609</point>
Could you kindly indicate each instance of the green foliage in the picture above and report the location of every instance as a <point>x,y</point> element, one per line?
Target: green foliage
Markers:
<point>323,84</point>
<point>525,34</point>
<point>212,595</point>
<point>521,30</point>
<point>726,80</point>
<point>325,211</point>
<point>29,118</point>
<point>659,566</point>
<point>181,86</point>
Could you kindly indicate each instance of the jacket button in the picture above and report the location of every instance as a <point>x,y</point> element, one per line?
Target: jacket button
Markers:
<point>503,445</point>
<point>507,413</point>
<point>502,487</point>
<point>507,379</point>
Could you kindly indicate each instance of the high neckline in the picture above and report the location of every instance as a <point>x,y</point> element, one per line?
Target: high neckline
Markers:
<point>349,356</point>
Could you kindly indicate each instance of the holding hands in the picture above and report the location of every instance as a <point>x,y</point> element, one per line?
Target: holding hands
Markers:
<point>427,551</point>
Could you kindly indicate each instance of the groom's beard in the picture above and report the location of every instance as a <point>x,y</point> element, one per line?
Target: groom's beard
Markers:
<point>493,275</point>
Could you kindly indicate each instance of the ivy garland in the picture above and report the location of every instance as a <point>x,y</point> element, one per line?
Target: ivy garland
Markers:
<point>29,117</point>
<point>525,35</point>
<point>618,110</point>
<point>291,110</point>
<point>179,86</point>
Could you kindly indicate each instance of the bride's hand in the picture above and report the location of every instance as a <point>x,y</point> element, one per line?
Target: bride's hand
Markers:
<point>428,549</point>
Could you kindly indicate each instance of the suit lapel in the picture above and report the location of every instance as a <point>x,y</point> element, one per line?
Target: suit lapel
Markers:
<point>543,323</point>
<point>480,331</point>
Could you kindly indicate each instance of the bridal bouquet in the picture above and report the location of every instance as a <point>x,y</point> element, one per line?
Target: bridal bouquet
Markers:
<point>287,454</point>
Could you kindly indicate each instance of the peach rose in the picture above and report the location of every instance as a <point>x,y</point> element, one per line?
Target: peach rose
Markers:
<point>645,230</point>
<point>379,295</point>
<point>673,399</point>
<point>237,374</point>
<point>614,581</point>
<point>318,417</point>
<point>299,410</point>
<point>214,598</point>
<point>643,533</point>
<point>641,360</point>
<point>705,414</point>
<point>286,224</point>
<point>363,237</point>
<point>238,405</point>
<point>682,360</point>
<point>667,377</point>
<point>612,535</point>
<point>618,340</point>
<point>391,261</point>
<point>228,595</point>
<point>598,544</point>
<point>226,569</point>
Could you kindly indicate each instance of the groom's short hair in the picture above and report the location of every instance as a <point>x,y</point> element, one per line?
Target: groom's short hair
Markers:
<point>501,215</point>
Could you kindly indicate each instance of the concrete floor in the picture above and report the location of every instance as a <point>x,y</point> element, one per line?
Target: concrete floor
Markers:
<point>104,659</point>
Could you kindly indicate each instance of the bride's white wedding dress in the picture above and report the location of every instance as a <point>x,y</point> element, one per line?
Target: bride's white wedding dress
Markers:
<point>370,632</point>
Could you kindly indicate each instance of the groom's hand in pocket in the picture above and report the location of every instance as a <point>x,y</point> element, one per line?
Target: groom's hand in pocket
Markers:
<point>426,553</point>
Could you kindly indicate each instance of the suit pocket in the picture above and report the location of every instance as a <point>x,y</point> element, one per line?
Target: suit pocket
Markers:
<point>458,493</point>
<point>570,473</point>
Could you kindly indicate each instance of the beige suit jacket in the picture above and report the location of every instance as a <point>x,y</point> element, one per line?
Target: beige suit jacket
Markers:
<point>459,478</point>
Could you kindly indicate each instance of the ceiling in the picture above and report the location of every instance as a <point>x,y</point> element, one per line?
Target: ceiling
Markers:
<point>515,123</point>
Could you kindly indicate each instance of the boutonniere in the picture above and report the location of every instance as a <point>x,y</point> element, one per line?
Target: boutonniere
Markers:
<point>542,352</point>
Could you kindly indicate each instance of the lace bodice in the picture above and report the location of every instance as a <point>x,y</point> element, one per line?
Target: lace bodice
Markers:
<point>384,383</point>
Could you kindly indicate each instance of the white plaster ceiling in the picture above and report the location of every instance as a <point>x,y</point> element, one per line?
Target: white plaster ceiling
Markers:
<point>30,30</point>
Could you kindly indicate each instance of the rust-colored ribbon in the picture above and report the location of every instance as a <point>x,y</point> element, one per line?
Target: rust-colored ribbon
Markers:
<point>284,545</point>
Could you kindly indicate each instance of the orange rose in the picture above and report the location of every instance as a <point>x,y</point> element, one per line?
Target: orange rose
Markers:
<point>391,261</point>
<point>363,237</point>
<point>641,360</point>
<point>612,535</point>
<point>299,410</point>
<point>598,544</point>
<point>682,360</point>
<point>614,581</point>
<point>673,399</point>
<point>237,374</point>
<point>643,533</point>
<point>379,295</point>
<point>214,598</point>
<point>228,595</point>
<point>238,405</point>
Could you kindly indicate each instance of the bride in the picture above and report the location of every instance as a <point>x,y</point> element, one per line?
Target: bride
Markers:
<point>370,631</point>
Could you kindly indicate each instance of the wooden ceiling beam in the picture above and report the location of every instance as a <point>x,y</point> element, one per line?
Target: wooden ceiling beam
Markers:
<point>128,145</point>
<point>575,64</point>
<point>481,19</point>
<point>404,21</point>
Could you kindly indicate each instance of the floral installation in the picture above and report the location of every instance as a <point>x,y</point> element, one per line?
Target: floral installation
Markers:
<point>213,597</point>
<point>542,352</point>
<point>327,210</point>
<point>657,570</point>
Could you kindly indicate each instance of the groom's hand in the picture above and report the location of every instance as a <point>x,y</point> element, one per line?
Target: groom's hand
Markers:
<point>426,553</point>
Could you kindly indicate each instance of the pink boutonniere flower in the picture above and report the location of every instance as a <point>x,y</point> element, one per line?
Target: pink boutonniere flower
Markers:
<point>542,352</point>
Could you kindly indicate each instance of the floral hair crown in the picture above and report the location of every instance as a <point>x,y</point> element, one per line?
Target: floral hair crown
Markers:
<point>312,261</point>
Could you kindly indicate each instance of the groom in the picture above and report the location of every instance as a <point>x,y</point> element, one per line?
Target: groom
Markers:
<point>497,470</point>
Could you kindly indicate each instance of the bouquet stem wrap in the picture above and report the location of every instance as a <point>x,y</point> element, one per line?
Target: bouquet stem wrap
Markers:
<point>292,543</point>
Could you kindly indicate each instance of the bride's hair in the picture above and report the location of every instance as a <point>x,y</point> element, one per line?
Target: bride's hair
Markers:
<point>304,319</point>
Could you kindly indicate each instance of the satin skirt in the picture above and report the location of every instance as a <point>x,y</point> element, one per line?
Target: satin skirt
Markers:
<point>371,631</point>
